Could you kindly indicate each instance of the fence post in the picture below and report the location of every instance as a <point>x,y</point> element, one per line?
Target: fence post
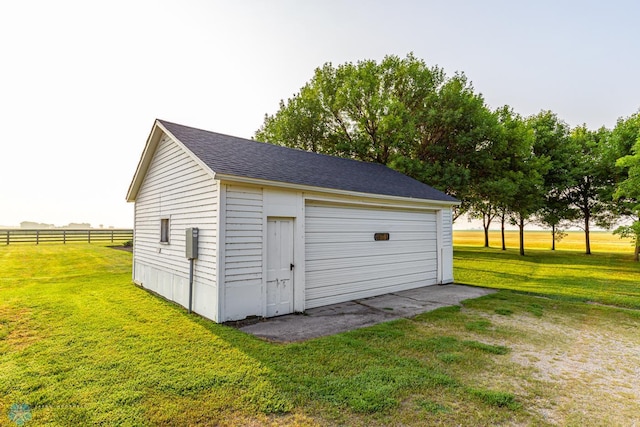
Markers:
<point>89,235</point>
<point>8,236</point>
<point>64,237</point>
<point>37,237</point>
<point>111,236</point>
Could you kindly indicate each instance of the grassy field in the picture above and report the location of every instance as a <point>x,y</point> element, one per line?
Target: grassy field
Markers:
<point>81,345</point>
<point>601,241</point>
<point>607,276</point>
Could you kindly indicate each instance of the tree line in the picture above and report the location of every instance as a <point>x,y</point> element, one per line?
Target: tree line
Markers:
<point>503,167</point>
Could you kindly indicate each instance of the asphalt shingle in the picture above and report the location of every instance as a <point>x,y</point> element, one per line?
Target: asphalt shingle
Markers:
<point>240,157</point>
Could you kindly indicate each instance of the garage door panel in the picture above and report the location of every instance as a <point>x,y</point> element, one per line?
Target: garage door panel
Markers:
<point>367,237</point>
<point>331,255</point>
<point>367,261</point>
<point>337,225</point>
<point>344,262</point>
<point>337,276</point>
<point>362,213</point>
<point>363,285</point>
<point>324,296</point>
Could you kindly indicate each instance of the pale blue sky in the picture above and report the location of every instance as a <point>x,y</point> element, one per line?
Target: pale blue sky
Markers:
<point>82,81</point>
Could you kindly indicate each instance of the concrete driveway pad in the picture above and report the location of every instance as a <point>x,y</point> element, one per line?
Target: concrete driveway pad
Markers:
<point>342,317</point>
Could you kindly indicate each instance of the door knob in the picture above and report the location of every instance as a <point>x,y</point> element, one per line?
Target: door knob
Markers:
<point>291,267</point>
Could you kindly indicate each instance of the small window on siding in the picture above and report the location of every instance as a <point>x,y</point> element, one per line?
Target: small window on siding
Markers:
<point>164,230</point>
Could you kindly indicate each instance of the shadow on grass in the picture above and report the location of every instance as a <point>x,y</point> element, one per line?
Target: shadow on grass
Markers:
<point>374,371</point>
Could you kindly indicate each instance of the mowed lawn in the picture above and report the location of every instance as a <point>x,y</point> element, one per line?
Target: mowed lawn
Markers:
<point>81,345</point>
<point>607,276</point>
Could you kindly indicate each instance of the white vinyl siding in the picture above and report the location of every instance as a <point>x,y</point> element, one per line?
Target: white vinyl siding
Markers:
<point>177,188</point>
<point>343,261</point>
<point>447,236</point>
<point>243,252</point>
<point>447,246</point>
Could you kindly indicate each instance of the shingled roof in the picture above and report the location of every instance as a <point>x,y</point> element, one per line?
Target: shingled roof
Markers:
<point>232,156</point>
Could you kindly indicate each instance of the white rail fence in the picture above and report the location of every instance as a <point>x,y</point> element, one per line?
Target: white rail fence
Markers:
<point>64,236</point>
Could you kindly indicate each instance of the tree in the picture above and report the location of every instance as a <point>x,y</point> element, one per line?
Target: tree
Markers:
<point>628,190</point>
<point>302,123</point>
<point>527,174</point>
<point>556,213</point>
<point>397,112</point>
<point>594,179</point>
<point>529,180</point>
<point>454,133</point>
<point>517,140</point>
<point>552,143</point>
<point>365,111</point>
<point>495,183</point>
<point>486,211</point>
<point>623,139</point>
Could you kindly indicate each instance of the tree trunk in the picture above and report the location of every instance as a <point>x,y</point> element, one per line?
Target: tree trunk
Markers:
<point>587,242</point>
<point>455,214</point>
<point>636,257</point>
<point>521,226</point>
<point>486,237</point>
<point>553,237</point>
<point>486,222</point>
<point>504,246</point>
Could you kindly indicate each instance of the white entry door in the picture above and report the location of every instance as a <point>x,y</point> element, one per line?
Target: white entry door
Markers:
<point>279,266</point>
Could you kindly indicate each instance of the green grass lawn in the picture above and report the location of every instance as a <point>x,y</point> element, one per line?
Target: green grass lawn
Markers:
<point>607,276</point>
<point>81,345</point>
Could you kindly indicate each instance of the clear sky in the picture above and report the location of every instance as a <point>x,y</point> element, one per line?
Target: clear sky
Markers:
<point>82,81</point>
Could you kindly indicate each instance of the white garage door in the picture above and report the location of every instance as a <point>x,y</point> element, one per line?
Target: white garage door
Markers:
<point>343,261</point>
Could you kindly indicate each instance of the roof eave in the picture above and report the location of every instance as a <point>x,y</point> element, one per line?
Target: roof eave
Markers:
<point>145,161</point>
<point>302,187</point>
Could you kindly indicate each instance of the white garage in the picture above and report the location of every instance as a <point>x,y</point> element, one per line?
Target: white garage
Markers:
<point>280,230</point>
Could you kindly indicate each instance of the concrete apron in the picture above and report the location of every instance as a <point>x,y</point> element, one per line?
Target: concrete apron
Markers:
<point>336,318</point>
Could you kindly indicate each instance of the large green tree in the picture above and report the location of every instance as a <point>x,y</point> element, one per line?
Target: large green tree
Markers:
<point>527,172</point>
<point>627,194</point>
<point>365,111</point>
<point>593,180</point>
<point>399,112</point>
<point>630,189</point>
<point>552,143</point>
<point>517,142</point>
<point>496,178</point>
<point>454,133</point>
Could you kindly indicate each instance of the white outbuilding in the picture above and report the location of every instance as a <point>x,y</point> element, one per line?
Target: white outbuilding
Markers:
<point>280,230</point>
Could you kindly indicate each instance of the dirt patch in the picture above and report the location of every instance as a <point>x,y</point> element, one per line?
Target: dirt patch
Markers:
<point>591,365</point>
<point>15,330</point>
